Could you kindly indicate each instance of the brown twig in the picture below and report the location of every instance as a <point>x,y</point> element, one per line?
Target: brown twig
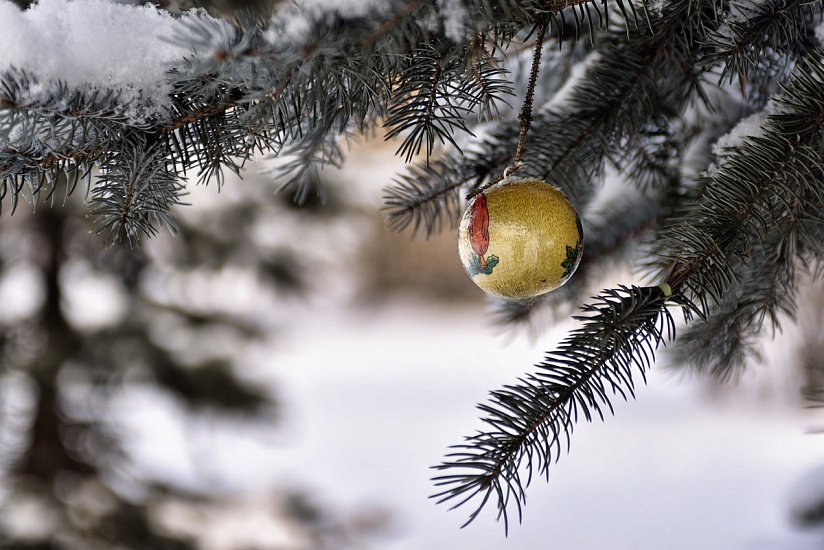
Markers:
<point>406,10</point>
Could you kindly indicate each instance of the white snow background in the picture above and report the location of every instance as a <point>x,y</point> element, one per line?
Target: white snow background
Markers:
<point>375,396</point>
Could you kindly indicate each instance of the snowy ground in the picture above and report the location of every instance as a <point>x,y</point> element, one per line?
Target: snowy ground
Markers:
<point>373,398</point>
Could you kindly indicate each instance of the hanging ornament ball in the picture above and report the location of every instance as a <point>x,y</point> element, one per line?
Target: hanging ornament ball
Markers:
<point>520,238</point>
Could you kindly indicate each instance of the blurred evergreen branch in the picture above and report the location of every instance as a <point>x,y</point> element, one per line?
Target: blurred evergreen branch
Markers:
<point>71,457</point>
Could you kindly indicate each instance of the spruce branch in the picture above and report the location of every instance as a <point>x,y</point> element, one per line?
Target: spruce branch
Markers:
<point>736,252</point>
<point>55,132</point>
<point>134,193</point>
<point>529,423</point>
<point>758,189</point>
<point>764,293</point>
<point>619,97</point>
<point>426,198</point>
<point>652,157</point>
<point>24,175</point>
<point>763,35</point>
<point>489,86</point>
<point>427,105</point>
<point>58,117</point>
<point>304,161</point>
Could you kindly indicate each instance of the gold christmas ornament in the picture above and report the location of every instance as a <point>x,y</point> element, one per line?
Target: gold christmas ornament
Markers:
<point>520,238</point>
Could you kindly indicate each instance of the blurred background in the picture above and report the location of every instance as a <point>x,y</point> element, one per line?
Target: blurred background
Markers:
<point>283,377</point>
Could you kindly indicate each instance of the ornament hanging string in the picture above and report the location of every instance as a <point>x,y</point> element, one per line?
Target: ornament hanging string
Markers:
<point>525,116</point>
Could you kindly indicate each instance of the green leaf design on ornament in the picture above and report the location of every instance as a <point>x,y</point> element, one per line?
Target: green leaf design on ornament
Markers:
<point>491,262</point>
<point>571,258</point>
<point>479,265</point>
